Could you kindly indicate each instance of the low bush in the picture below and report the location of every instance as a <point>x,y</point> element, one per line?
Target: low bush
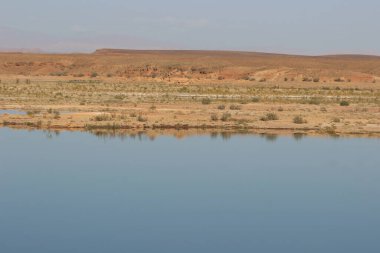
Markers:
<point>142,119</point>
<point>206,101</point>
<point>102,117</point>
<point>336,120</point>
<point>255,99</point>
<point>235,107</point>
<point>214,117</point>
<point>315,101</point>
<point>225,117</point>
<point>221,107</point>
<point>299,120</point>
<point>269,117</point>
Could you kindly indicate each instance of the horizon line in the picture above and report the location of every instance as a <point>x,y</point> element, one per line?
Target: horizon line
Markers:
<point>41,51</point>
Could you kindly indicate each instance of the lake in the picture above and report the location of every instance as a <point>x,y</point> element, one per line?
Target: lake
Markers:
<point>12,112</point>
<point>78,193</point>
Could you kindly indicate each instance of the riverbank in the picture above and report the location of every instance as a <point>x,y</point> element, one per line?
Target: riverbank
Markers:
<point>340,109</point>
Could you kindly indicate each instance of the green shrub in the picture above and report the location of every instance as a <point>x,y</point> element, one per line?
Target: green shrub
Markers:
<point>344,103</point>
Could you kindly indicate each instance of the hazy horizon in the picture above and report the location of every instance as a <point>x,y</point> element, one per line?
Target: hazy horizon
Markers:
<point>291,27</point>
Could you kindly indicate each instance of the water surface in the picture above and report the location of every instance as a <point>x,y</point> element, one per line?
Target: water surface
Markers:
<point>79,193</point>
<point>12,112</point>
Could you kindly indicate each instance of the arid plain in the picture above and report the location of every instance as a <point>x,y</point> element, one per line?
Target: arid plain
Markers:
<point>191,91</point>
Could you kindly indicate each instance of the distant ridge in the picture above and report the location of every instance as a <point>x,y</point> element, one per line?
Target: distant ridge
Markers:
<point>196,65</point>
<point>176,51</point>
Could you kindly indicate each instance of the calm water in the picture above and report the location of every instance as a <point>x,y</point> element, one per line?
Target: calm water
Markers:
<point>79,193</point>
<point>12,112</point>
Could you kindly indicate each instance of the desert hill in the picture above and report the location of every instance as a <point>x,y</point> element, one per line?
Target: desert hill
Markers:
<point>196,65</point>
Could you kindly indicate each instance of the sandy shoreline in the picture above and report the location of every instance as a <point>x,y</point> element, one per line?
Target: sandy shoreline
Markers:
<point>213,91</point>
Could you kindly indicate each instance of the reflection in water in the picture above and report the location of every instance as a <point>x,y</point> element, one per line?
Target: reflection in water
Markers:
<point>270,137</point>
<point>12,112</point>
<point>74,192</point>
<point>51,134</point>
<point>178,134</point>
<point>299,136</point>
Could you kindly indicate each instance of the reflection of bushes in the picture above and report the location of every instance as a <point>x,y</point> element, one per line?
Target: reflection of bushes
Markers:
<point>270,137</point>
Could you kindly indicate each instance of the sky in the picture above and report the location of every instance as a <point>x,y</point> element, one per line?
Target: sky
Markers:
<point>282,26</point>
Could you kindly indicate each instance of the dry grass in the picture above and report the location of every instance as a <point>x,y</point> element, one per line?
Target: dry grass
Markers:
<point>182,90</point>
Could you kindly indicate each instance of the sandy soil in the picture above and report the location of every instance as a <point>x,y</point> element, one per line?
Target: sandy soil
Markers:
<point>192,91</point>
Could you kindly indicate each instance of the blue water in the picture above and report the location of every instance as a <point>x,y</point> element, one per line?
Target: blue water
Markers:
<point>12,112</point>
<point>79,193</point>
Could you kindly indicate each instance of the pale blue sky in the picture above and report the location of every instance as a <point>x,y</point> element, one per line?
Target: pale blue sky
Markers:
<point>293,26</point>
